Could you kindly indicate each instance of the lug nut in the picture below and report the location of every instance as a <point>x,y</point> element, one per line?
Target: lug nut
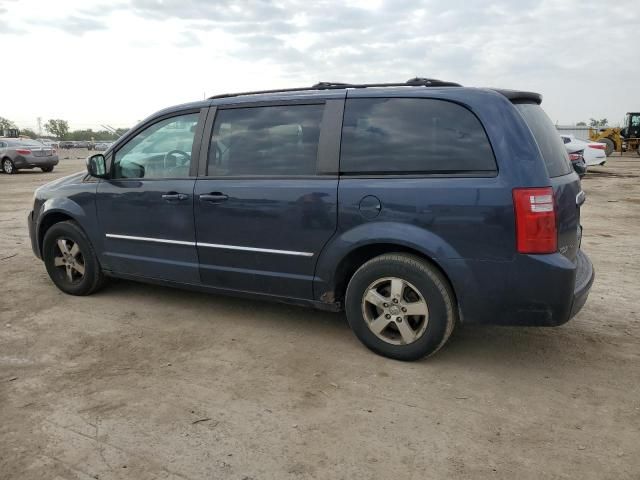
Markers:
<point>399,319</point>
<point>395,300</point>
<point>404,309</point>
<point>387,316</point>
<point>386,305</point>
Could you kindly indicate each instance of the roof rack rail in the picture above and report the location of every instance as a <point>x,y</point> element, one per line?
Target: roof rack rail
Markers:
<point>413,82</point>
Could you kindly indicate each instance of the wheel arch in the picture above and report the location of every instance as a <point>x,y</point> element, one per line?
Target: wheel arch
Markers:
<point>358,256</point>
<point>349,249</point>
<point>49,219</point>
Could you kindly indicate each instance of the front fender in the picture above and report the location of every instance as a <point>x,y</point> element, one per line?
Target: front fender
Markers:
<point>404,235</point>
<point>81,210</point>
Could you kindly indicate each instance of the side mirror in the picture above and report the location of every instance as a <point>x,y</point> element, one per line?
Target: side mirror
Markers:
<point>97,166</point>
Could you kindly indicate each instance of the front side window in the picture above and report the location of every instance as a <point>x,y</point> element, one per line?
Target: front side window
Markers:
<point>162,150</point>
<point>257,141</point>
<point>412,135</point>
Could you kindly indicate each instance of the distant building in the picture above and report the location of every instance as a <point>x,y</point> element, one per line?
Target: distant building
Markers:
<point>578,132</point>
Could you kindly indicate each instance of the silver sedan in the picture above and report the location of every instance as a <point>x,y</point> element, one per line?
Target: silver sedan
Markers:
<point>19,153</point>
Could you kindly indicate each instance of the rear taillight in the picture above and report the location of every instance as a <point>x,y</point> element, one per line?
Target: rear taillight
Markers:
<point>535,220</point>
<point>574,157</point>
<point>599,146</point>
<point>23,151</point>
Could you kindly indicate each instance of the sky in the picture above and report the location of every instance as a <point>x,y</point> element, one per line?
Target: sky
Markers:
<point>115,62</point>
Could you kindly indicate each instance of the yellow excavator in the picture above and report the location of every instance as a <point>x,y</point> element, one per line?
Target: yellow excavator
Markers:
<point>625,139</point>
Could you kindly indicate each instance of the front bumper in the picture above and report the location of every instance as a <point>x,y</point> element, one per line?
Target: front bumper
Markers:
<point>33,235</point>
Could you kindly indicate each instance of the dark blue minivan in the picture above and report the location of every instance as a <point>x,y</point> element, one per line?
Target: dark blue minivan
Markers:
<point>412,206</point>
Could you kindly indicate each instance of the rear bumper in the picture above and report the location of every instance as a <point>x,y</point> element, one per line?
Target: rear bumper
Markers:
<point>531,290</point>
<point>35,162</point>
<point>585,275</point>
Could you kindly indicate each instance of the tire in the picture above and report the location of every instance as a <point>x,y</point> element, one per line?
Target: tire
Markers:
<point>8,167</point>
<point>86,275</point>
<point>609,145</point>
<point>47,169</point>
<point>420,283</point>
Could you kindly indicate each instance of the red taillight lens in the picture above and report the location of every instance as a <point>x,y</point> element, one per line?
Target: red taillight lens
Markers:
<point>574,157</point>
<point>23,151</point>
<point>599,146</point>
<point>535,220</point>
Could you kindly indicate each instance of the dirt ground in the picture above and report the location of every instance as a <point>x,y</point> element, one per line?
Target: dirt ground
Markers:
<point>147,382</point>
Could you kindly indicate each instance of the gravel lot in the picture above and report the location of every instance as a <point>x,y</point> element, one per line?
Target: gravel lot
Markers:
<point>146,382</point>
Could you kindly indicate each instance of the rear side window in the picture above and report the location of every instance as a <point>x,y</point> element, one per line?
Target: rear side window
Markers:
<point>551,146</point>
<point>412,135</point>
<point>275,140</point>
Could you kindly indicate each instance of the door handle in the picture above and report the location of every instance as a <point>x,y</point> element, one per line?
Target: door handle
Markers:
<point>215,197</point>
<point>173,196</point>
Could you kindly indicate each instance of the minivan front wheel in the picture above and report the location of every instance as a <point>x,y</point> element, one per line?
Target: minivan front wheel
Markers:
<point>400,306</point>
<point>70,260</point>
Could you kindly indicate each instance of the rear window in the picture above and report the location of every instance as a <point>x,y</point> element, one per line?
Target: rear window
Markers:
<point>412,135</point>
<point>21,142</point>
<point>550,144</point>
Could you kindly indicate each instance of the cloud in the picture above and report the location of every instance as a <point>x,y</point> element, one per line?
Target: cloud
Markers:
<point>188,39</point>
<point>561,48</point>
<point>72,25</point>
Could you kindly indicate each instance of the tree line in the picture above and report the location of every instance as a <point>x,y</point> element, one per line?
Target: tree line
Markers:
<point>59,129</point>
<point>603,122</point>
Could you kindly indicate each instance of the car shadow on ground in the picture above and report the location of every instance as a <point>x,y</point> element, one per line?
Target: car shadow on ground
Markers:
<point>480,346</point>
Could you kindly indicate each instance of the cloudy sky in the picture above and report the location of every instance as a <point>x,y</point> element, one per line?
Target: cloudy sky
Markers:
<point>117,61</point>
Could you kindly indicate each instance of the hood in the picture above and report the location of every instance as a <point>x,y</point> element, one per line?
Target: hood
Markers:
<point>74,178</point>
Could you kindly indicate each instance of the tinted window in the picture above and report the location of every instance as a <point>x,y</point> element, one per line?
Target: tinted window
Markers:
<point>552,149</point>
<point>402,135</point>
<point>279,140</point>
<point>162,150</point>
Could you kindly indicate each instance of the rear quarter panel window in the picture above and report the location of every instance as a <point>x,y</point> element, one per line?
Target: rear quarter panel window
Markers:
<point>549,142</point>
<point>412,135</point>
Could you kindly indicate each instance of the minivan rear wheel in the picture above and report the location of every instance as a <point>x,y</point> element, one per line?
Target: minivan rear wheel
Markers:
<point>400,306</point>
<point>70,260</point>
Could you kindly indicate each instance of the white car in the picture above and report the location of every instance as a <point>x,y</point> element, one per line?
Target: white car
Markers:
<point>593,152</point>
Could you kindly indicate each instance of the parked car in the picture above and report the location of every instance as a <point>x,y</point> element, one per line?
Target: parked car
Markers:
<point>49,143</point>
<point>593,152</point>
<point>102,146</point>
<point>66,144</point>
<point>19,153</point>
<point>412,206</point>
<point>578,163</point>
<point>80,144</point>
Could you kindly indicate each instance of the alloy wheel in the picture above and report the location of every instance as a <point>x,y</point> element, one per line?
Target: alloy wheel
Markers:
<point>395,311</point>
<point>69,258</point>
<point>7,166</point>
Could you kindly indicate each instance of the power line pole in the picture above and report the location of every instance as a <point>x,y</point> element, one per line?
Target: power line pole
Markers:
<point>40,126</point>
